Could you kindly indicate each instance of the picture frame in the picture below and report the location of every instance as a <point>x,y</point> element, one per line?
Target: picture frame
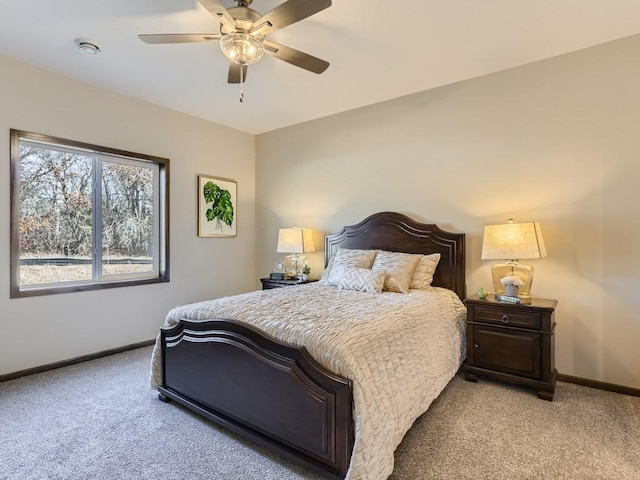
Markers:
<point>217,206</point>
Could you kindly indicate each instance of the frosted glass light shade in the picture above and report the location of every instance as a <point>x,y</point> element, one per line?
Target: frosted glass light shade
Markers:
<point>513,241</point>
<point>241,48</point>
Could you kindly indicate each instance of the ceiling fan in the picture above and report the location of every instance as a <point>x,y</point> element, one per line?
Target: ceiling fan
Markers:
<point>242,34</point>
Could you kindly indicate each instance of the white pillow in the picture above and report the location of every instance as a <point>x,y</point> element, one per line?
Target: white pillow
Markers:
<point>423,275</point>
<point>346,258</point>
<point>399,268</point>
<point>362,279</point>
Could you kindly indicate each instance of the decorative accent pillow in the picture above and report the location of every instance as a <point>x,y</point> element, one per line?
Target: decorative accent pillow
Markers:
<point>362,279</point>
<point>399,268</point>
<point>423,276</point>
<point>346,258</point>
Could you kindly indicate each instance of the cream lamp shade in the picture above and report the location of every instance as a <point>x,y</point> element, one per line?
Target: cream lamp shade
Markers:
<point>512,242</point>
<point>295,241</point>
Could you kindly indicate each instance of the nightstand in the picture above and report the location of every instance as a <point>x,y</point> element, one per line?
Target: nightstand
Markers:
<point>267,283</point>
<point>512,342</point>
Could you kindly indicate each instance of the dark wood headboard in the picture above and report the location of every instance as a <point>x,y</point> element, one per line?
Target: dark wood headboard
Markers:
<point>396,232</point>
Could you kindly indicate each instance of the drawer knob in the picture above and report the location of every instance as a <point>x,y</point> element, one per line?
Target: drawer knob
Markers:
<point>476,345</point>
<point>505,318</point>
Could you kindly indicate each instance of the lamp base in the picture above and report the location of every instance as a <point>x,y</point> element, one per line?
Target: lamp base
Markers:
<point>293,265</point>
<point>516,269</point>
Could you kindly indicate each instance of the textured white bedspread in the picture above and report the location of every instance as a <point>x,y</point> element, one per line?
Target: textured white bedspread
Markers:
<point>399,350</point>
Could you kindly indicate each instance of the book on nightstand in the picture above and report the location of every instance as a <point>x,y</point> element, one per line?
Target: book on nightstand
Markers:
<point>507,299</point>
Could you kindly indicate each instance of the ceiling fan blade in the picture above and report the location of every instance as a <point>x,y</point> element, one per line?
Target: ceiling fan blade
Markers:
<point>295,57</point>
<point>216,8</point>
<point>154,38</point>
<point>234,73</point>
<point>289,12</point>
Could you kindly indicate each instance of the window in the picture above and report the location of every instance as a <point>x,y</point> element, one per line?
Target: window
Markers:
<point>85,217</point>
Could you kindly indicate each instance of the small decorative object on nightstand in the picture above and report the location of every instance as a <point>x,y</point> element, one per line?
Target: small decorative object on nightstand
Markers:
<point>512,284</point>
<point>306,270</point>
<point>278,272</point>
<point>512,342</point>
<point>268,283</point>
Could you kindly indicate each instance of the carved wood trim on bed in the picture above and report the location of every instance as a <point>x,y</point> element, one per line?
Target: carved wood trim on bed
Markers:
<point>274,393</point>
<point>271,392</point>
<point>396,232</point>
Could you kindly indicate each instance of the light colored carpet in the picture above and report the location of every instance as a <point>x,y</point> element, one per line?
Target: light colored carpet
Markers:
<point>100,420</point>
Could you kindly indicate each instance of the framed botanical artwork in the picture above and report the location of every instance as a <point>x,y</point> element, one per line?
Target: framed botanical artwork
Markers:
<point>217,207</point>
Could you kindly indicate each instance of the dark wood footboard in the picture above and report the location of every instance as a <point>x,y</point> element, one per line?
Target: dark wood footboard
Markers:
<point>268,391</point>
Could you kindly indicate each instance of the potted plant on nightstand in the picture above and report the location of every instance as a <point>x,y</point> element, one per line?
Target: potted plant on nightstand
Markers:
<point>512,284</point>
<point>306,270</point>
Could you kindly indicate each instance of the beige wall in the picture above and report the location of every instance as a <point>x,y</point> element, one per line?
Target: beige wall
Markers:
<point>556,141</point>
<point>41,330</point>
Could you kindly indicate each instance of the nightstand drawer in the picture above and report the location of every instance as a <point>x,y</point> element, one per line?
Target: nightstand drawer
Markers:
<point>508,318</point>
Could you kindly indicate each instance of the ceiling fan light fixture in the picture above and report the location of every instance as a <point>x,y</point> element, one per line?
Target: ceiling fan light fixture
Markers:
<point>241,48</point>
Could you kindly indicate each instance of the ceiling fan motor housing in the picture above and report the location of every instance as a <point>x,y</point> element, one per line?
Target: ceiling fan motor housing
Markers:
<point>244,17</point>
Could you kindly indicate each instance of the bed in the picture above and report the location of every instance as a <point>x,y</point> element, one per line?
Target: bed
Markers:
<point>334,392</point>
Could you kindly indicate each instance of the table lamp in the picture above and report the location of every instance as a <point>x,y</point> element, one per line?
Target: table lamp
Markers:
<point>295,241</point>
<point>512,242</point>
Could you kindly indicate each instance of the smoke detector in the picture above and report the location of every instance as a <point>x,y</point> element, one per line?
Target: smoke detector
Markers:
<point>87,46</point>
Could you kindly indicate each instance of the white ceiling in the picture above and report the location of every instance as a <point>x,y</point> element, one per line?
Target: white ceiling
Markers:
<point>378,50</point>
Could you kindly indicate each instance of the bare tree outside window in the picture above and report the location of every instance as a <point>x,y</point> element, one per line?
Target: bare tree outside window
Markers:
<point>127,219</point>
<point>85,216</point>
<point>55,216</point>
